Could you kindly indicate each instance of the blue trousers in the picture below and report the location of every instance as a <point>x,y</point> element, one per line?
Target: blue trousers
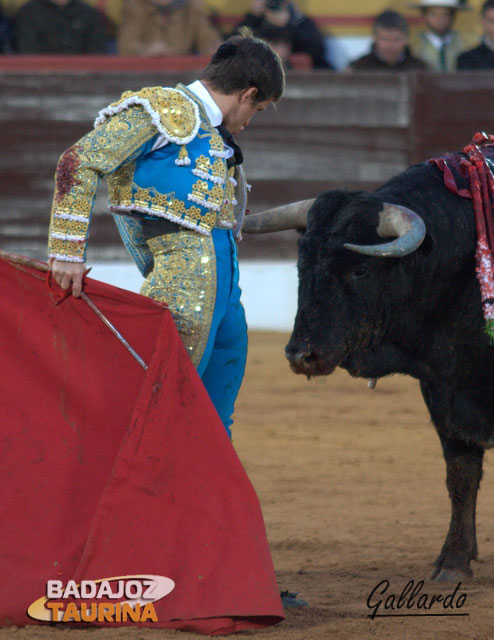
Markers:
<point>197,276</point>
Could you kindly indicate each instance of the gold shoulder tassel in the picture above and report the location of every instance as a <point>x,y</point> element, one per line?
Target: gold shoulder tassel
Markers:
<point>183,159</point>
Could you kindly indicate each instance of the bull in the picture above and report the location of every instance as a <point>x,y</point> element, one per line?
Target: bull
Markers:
<point>387,285</point>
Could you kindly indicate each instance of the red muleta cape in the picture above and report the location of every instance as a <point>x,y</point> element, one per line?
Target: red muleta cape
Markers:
<point>111,470</point>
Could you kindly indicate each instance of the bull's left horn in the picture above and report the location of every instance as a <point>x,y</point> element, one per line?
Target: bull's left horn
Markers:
<point>395,220</point>
<point>289,216</point>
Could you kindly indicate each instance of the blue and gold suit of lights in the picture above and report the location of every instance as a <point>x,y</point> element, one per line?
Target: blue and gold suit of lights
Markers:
<point>164,160</point>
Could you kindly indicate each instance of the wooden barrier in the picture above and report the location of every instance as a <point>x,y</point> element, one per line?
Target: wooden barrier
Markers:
<point>329,131</point>
<point>122,64</point>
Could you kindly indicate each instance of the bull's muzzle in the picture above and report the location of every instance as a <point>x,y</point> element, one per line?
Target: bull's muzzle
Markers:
<point>307,361</point>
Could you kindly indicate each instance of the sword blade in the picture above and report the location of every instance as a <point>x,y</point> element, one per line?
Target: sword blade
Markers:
<point>113,329</point>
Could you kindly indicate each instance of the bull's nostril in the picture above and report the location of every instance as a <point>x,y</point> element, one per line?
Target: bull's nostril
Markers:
<point>300,356</point>
<point>310,358</point>
<point>303,359</point>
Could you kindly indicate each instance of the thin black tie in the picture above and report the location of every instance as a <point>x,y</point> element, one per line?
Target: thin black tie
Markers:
<point>442,56</point>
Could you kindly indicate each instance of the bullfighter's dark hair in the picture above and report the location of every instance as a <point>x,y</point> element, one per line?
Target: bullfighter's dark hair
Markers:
<point>488,4</point>
<point>243,62</point>
<point>390,20</point>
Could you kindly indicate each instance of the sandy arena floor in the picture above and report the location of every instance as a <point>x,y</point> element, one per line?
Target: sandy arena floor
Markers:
<point>352,485</point>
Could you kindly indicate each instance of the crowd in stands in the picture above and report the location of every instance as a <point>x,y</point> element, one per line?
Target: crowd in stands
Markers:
<point>439,48</point>
<point>166,27</point>
<point>277,20</point>
<point>180,27</point>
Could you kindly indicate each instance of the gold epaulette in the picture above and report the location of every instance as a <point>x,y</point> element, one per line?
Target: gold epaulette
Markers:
<point>173,113</point>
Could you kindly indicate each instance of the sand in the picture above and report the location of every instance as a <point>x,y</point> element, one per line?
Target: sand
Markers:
<point>352,486</point>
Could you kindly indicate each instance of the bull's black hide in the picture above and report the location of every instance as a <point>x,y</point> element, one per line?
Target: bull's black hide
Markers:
<point>419,315</point>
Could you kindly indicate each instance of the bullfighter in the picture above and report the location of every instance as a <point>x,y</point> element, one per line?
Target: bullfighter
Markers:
<point>172,169</point>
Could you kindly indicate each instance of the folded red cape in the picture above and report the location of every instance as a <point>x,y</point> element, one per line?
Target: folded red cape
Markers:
<point>111,470</point>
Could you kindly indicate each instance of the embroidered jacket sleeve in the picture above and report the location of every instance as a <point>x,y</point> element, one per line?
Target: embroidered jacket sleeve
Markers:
<point>115,142</point>
<point>118,139</point>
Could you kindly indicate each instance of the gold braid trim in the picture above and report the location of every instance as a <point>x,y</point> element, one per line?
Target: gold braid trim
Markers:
<point>226,218</point>
<point>172,112</point>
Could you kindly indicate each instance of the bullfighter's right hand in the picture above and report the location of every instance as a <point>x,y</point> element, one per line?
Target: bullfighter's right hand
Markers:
<point>67,274</point>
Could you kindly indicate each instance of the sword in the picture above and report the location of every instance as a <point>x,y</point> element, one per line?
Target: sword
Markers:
<point>113,329</point>
<point>41,266</point>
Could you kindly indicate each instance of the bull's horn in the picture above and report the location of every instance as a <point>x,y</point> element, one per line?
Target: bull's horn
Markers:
<point>395,220</point>
<point>289,216</point>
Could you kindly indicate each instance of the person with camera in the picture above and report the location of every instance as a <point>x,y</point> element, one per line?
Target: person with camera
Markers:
<point>284,16</point>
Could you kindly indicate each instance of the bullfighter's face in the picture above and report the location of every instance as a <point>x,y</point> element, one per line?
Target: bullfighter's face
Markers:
<point>242,111</point>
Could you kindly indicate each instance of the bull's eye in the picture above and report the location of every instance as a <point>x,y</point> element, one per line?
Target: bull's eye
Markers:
<point>360,272</point>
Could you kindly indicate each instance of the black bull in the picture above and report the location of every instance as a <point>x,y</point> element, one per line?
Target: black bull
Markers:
<point>419,315</point>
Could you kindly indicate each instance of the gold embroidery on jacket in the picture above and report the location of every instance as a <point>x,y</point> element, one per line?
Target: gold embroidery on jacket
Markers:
<point>176,112</point>
<point>216,143</point>
<point>111,149</point>
<point>226,216</point>
<point>97,154</point>
<point>120,184</point>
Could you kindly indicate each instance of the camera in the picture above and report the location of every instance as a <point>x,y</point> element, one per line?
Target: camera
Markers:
<point>274,5</point>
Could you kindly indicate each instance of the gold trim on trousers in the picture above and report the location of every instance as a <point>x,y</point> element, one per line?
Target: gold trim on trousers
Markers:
<point>184,277</point>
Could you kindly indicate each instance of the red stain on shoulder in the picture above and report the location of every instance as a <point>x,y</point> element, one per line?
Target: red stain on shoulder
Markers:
<point>66,170</point>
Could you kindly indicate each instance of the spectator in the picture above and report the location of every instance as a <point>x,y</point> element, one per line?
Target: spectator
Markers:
<point>59,26</point>
<point>305,36</point>
<point>389,50</point>
<point>440,45</point>
<point>166,27</point>
<point>482,57</point>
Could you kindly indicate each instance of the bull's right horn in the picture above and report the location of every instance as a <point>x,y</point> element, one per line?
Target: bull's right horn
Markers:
<point>289,216</point>
<point>395,220</point>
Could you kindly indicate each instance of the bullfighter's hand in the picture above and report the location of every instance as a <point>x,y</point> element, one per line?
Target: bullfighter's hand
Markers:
<point>67,274</point>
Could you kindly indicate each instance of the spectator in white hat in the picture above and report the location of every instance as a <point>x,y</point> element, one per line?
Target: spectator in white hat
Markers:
<point>440,45</point>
